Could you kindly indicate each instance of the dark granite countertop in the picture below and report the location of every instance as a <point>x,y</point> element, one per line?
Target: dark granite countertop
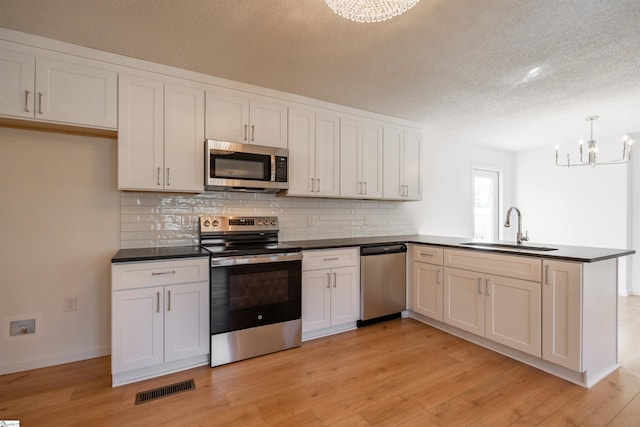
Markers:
<point>150,254</point>
<point>561,252</point>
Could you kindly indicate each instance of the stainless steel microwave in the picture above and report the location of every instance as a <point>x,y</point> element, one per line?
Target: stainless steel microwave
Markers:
<point>230,166</point>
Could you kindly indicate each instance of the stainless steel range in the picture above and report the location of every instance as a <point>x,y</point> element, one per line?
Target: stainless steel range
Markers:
<point>255,287</point>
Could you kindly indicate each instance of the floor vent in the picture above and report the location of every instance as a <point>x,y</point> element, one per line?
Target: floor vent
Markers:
<point>168,390</point>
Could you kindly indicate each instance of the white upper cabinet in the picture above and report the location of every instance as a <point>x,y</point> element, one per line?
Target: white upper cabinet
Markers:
<point>236,117</point>
<point>161,135</point>
<point>60,88</point>
<point>18,72</point>
<point>314,153</point>
<point>401,164</point>
<point>360,159</point>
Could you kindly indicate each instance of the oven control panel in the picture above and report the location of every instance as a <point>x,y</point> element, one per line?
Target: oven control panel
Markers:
<point>237,223</point>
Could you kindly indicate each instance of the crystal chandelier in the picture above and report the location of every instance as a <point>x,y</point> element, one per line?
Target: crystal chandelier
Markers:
<point>370,10</point>
<point>592,151</point>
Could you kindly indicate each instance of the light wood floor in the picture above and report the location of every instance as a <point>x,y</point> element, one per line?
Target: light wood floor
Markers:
<point>399,373</point>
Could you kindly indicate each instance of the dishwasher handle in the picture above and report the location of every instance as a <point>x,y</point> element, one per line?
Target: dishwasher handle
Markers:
<point>382,249</point>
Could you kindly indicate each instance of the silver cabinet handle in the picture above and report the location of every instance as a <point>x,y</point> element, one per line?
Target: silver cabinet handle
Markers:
<point>335,280</point>
<point>157,302</point>
<point>253,133</point>
<point>366,189</point>
<point>159,176</point>
<point>168,300</point>
<point>313,185</point>
<point>161,273</point>
<point>359,187</point>
<point>479,285</point>
<point>168,181</point>
<point>328,280</point>
<point>426,254</point>
<point>40,102</point>
<point>318,184</point>
<point>486,287</point>
<point>335,258</point>
<point>245,132</point>
<point>546,274</point>
<point>26,101</point>
<point>439,277</point>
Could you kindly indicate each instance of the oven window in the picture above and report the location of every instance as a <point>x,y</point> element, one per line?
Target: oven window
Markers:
<point>240,166</point>
<point>257,289</point>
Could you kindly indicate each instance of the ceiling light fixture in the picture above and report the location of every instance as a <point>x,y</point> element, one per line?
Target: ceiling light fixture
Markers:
<point>592,151</point>
<point>366,11</point>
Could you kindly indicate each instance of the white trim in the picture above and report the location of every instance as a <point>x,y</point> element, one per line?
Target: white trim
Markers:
<point>500,172</point>
<point>52,359</point>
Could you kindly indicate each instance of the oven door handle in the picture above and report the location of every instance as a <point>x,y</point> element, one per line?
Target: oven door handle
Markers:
<point>255,259</point>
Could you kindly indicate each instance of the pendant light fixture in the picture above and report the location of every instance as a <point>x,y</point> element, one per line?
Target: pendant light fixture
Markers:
<point>366,11</point>
<point>592,152</point>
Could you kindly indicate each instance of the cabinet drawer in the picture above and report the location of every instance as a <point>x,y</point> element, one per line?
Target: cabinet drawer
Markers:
<point>132,275</point>
<point>519,267</point>
<point>330,258</point>
<point>429,254</point>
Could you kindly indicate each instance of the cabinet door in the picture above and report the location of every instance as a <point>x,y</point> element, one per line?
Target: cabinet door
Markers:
<point>371,162</point>
<point>513,313</point>
<point>184,138</point>
<point>76,93</point>
<point>302,141</point>
<point>186,326</point>
<point>464,305</point>
<point>561,313</point>
<point>16,85</point>
<point>427,290</point>
<point>327,151</point>
<point>137,329</point>
<point>345,295</point>
<point>141,133</point>
<point>316,300</point>
<point>411,154</point>
<point>393,181</point>
<point>351,183</point>
<point>227,116</point>
<point>268,123</point>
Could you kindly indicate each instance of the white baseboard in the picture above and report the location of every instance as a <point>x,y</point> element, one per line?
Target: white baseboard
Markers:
<point>47,360</point>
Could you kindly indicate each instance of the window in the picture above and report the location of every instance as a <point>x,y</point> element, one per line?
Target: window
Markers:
<point>486,203</point>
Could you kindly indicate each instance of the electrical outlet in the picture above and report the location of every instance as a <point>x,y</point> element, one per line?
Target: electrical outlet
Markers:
<point>70,304</point>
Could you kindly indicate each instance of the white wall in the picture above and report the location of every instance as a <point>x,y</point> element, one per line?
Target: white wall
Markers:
<point>578,206</point>
<point>59,211</point>
<point>447,206</point>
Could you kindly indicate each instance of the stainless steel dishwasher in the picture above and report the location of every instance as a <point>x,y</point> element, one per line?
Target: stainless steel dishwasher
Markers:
<point>382,282</point>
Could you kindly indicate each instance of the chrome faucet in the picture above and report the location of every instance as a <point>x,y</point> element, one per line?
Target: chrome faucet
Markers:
<point>520,237</point>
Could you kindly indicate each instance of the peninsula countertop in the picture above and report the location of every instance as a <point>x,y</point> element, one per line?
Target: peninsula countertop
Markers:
<point>538,250</point>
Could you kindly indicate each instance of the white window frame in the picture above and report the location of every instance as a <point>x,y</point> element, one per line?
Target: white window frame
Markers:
<point>477,170</point>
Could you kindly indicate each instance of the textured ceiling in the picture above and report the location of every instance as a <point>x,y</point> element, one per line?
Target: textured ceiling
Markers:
<point>507,73</point>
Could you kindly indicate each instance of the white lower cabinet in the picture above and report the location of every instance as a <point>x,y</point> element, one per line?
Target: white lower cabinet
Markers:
<point>427,279</point>
<point>160,318</point>
<point>562,314</point>
<point>502,309</point>
<point>330,291</point>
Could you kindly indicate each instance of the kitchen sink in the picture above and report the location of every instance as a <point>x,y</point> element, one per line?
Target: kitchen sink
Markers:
<point>508,246</point>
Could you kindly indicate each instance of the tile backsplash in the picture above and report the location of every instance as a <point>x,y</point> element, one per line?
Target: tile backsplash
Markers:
<point>171,219</point>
